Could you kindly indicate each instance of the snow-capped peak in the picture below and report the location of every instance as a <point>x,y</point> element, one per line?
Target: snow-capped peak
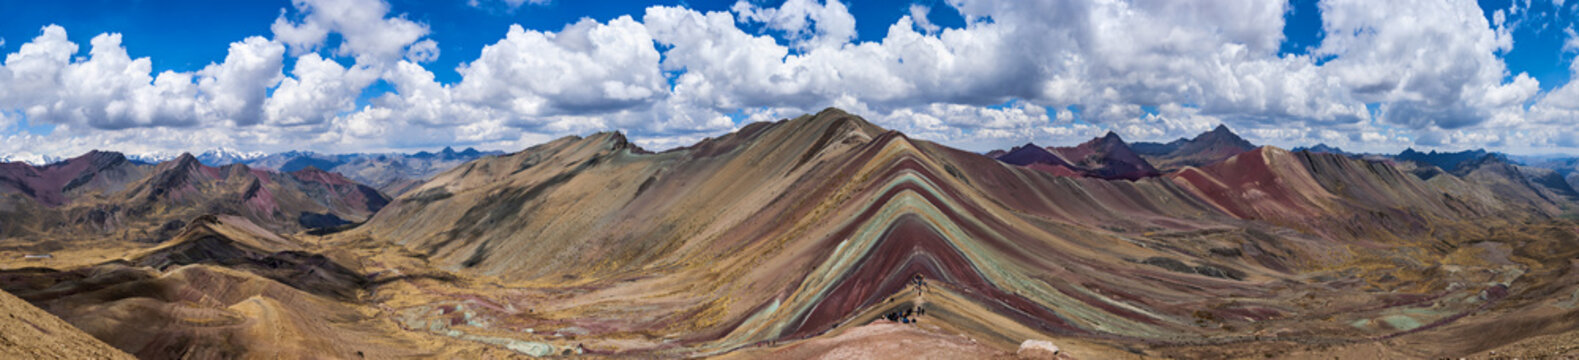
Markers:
<point>31,159</point>
<point>152,157</point>
<point>222,156</point>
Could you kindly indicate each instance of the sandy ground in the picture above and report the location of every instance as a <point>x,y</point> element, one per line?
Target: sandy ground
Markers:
<point>27,332</point>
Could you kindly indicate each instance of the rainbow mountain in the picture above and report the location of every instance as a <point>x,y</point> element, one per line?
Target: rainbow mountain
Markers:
<point>808,237</point>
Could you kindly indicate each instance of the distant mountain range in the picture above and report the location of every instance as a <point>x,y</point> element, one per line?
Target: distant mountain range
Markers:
<point>391,173</point>
<point>1106,157</point>
<point>31,159</point>
<point>213,157</point>
<point>797,233</point>
<point>223,156</point>
<point>1449,161</point>
<point>1321,148</point>
<point>1109,157</point>
<point>1206,148</point>
<point>103,195</point>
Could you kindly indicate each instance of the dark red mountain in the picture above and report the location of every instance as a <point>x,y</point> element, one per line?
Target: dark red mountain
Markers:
<point>1206,148</point>
<point>1036,157</point>
<point>1108,157</point>
<point>55,184</point>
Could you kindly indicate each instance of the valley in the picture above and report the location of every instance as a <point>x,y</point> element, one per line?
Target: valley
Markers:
<point>803,238</point>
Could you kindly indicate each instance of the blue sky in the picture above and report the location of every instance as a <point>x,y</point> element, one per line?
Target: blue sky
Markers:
<point>981,74</point>
<point>188,35</point>
<point>1539,41</point>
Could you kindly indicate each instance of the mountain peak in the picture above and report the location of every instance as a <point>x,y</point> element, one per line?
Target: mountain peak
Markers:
<point>1209,147</point>
<point>859,123</point>
<point>1321,148</point>
<point>101,156</point>
<point>1220,130</point>
<point>1108,157</point>
<point>615,140</point>
<point>613,136</point>
<point>226,156</point>
<point>1222,136</point>
<point>185,157</point>
<point>1109,142</point>
<point>831,111</point>
<point>1031,154</point>
<point>1449,161</point>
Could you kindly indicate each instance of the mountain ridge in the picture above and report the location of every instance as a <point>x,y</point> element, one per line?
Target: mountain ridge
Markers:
<point>1212,146</point>
<point>846,193</point>
<point>785,234</point>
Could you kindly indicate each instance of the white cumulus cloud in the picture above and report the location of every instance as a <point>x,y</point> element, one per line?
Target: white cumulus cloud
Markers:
<point>366,32</point>
<point>587,67</point>
<point>1390,74</point>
